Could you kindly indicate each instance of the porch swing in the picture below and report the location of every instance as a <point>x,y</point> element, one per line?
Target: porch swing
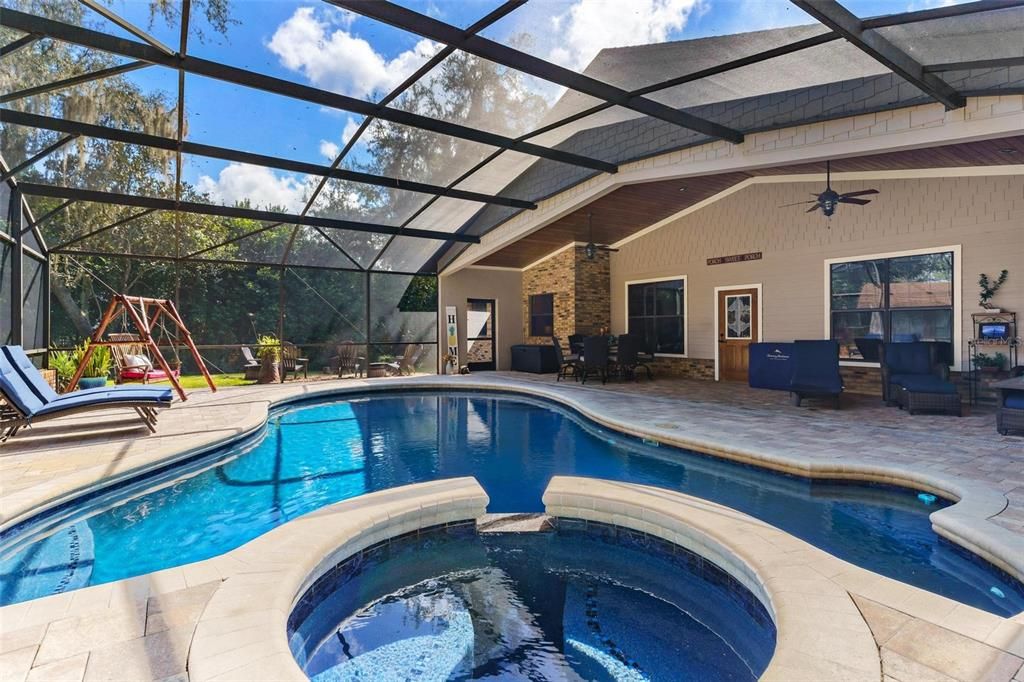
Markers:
<point>135,353</point>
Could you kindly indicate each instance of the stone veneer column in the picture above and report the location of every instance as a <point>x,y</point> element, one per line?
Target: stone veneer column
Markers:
<point>581,288</point>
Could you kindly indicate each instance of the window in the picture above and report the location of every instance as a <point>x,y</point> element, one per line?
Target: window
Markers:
<point>656,312</point>
<point>891,300</point>
<point>542,315</point>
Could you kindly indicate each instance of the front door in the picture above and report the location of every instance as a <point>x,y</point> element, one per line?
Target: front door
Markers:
<point>480,348</point>
<point>737,329</point>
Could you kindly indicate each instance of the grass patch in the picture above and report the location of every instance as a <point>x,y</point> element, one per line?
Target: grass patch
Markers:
<point>192,381</point>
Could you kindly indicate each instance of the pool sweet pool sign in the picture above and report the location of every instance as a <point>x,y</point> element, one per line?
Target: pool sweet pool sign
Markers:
<point>452,327</point>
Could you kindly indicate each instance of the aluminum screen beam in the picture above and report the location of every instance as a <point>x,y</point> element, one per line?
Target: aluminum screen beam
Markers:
<point>439,31</point>
<point>38,156</point>
<point>126,25</point>
<point>74,80</point>
<point>159,204</point>
<point>77,35</point>
<point>20,43</point>
<point>940,13</point>
<point>842,21</point>
<point>170,144</point>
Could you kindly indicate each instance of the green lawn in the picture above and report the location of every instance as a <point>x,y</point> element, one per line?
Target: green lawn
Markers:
<point>191,381</point>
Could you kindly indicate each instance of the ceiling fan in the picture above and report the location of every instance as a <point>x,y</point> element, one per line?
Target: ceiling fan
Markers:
<point>591,248</point>
<point>828,200</point>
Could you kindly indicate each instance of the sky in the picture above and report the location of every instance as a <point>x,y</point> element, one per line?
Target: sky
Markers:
<point>321,45</point>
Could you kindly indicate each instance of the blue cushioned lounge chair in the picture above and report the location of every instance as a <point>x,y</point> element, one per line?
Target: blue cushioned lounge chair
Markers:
<point>30,399</point>
<point>816,371</point>
<point>914,379</point>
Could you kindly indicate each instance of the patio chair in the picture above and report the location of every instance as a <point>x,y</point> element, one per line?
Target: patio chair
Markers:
<point>407,364</point>
<point>594,361</point>
<point>1010,412</point>
<point>250,365</point>
<point>568,365</point>
<point>131,360</point>
<point>915,381</point>
<point>29,398</point>
<point>291,362</point>
<point>575,344</point>
<point>816,371</point>
<point>628,357</point>
<point>349,360</point>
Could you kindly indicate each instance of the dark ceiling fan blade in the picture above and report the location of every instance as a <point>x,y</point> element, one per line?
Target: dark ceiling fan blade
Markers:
<point>605,247</point>
<point>859,194</point>
<point>848,200</point>
<point>799,203</point>
<point>814,208</point>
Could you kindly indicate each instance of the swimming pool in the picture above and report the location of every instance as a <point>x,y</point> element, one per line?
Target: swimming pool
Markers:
<point>590,602</point>
<point>316,454</point>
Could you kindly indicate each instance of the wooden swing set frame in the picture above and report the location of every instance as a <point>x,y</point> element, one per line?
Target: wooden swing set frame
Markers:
<point>144,314</point>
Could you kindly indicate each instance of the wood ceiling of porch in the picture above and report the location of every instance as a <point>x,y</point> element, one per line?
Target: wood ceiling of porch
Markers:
<point>629,209</point>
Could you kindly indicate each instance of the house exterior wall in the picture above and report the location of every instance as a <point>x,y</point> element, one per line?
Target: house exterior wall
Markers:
<point>983,215</point>
<point>581,289</point>
<point>505,287</point>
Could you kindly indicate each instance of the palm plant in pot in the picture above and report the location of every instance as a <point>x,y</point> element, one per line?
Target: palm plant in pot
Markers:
<point>990,363</point>
<point>95,373</point>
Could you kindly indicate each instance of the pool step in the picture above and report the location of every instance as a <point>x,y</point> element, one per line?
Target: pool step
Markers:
<point>514,523</point>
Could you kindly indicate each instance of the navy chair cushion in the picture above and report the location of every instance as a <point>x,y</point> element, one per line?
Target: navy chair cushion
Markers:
<point>1014,400</point>
<point>23,364</point>
<point>16,390</point>
<point>74,400</point>
<point>923,383</point>
<point>817,367</point>
<point>908,358</point>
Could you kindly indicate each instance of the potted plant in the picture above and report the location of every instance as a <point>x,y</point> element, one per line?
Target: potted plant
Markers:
<point>269,353</point>
<point>989,289</point>
<point>94,374</point>
<point>64,364</point>
<point>989,364</point>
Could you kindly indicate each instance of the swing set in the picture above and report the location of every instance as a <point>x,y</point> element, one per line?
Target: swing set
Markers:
<point>144,314</point>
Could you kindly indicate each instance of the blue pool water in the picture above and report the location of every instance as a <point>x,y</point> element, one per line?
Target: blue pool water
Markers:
<point>316,454</point>
<point>593,603</point>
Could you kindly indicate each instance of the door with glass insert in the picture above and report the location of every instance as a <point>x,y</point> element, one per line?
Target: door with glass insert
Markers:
<point>480,346</point>
<point>737,329</point>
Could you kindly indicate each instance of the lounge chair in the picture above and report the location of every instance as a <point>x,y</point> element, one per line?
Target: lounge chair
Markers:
<point>913,379</point>
<point>291,362</point>
<point>132,362</point>
<point>29,399</point>
<point>568,365</point>
<point>816,371</point>
<point>594,361</point>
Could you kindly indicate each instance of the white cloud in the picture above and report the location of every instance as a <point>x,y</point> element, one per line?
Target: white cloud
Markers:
<point>323,49</point>
<point>591,25</point>
<point>350,130</point>
<point>330,150</point>
<point>260,186</point>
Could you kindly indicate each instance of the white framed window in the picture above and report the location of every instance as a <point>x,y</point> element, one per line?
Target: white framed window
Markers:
<point>894,298</point>
<point>656,311</point>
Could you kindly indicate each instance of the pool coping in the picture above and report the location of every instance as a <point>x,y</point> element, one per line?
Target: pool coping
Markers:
<point>964,523</point>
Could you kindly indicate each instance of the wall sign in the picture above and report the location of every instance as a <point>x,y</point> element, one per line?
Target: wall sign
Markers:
<point>452,329</point>
<point>737,258</point>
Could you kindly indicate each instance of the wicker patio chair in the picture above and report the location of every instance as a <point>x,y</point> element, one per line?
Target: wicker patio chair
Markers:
<point>568,365</point>
<point>1010,413</point>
